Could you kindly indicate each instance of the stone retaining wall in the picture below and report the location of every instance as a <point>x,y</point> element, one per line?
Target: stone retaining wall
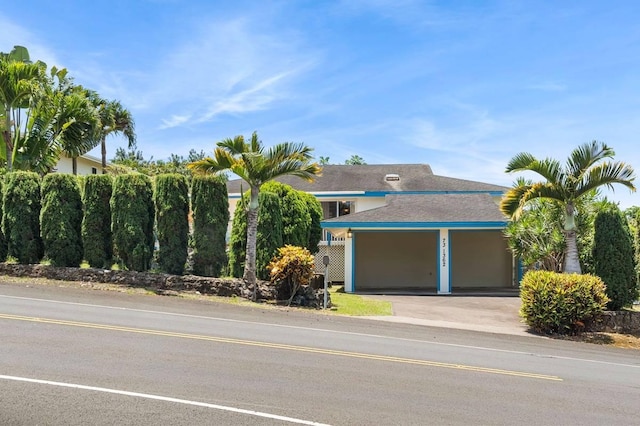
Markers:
<point>618,322</point>
<point>159,282</point>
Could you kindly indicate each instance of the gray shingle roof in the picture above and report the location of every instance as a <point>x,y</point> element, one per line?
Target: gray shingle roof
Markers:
<point>428,208</point>
<point>371,177</point>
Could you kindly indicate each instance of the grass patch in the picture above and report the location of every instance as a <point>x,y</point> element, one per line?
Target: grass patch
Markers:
<point>354,305</point>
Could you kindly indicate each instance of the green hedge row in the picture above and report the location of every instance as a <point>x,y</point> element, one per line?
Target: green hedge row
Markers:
<point>56,218</point>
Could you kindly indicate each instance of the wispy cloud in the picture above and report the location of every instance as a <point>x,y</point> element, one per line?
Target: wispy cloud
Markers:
<point>548,86</point>
<point>174,121</point>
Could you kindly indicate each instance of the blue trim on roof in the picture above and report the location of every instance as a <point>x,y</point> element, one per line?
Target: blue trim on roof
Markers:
<point>383,193</point>
<point>501,224</point>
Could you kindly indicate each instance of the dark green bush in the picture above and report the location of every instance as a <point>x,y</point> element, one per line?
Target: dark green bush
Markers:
<point>613,258</point>
<point>171,198</point>
<point>3,241</point>
<point>296,219</point>
<point>560,303</point>
<point>132,215</point>
<point>315,228</point>
<point>21,219</point>
<point>96,224</point>
<point>210,208</point>
<point>61,220</point>
<point>269,237</point>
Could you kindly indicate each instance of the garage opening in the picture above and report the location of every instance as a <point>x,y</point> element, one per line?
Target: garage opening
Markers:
<point>395,260</point>
<point>480,259</point>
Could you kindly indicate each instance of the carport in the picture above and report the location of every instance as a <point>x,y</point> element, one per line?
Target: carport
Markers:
<point>426,242</point>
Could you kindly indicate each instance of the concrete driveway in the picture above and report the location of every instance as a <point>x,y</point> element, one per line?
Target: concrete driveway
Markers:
<point>493,314</point>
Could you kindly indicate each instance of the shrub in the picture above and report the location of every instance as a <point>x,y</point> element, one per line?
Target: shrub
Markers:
<point>171,198</point>
<point>269,237</point>
<point>296,219</point>
<point>315,229</point>
<point>96,224</point>
<point>560,303</point>
<point>613,258</point>
<point>291,268</point>
<point>21,219</point>
<point>61,220</point>
<point>210,207</point>
<point>132,216</point>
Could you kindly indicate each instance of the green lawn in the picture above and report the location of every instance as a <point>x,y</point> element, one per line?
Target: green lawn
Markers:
<point>351,304</point>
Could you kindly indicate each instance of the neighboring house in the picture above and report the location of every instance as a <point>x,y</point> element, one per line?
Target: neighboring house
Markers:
<point>400,227</point>
<point>87,165</point>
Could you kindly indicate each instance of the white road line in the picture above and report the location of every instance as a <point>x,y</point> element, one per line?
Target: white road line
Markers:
<point>165,399</point>
<point>350,333</point>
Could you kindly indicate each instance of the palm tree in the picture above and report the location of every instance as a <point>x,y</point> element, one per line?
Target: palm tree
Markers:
<point>19,79</point>
<point>115,120</point>
<point>82,126</point>
<point>256,165</point>
<point>586,169</point>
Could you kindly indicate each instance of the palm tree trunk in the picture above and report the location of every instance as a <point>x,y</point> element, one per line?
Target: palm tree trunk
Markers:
<point>252,234</point>
<point>74,165</point>
<point>103,146</point>
<point>571,260</point>
<point>6,134</point>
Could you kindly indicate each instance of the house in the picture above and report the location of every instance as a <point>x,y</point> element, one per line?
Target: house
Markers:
<point>401,227</point>
<point>87,165</point>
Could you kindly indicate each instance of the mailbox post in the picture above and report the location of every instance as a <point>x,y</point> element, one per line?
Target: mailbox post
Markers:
<point>325,262</point>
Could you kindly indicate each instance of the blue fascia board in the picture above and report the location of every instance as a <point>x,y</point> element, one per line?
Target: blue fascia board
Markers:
<point>358,225</point>
<point>346,194</point>
<point>383,193</point>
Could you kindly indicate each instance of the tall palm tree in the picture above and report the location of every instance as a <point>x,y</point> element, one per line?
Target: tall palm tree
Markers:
<point>19,79</point>
<point>82,126</point>
<point>115,120</point>
<point>256,165</point>
<point>586,169</point>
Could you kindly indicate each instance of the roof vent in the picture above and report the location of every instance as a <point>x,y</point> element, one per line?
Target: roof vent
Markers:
<point>390,177</point>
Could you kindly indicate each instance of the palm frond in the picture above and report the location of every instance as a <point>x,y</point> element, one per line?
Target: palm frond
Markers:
<point>548,168</point>
<point>607,174</point>
<point>287,150</point>
<point>585,156</point>
<point>514,201</point>
<point>235,146</point>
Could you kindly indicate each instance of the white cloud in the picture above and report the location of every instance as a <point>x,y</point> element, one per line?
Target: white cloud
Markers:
<point>174,121</point>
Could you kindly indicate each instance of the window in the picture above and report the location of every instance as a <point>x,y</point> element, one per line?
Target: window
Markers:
<point>94,171</point>
<point>331,209</point>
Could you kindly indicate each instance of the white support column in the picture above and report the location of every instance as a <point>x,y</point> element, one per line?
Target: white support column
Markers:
<point>444,280</point>
<point>348,265</point>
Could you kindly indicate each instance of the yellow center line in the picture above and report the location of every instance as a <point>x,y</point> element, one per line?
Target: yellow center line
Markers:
<point>282,346</point>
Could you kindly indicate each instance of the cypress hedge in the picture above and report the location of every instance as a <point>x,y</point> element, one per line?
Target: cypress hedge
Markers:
<point>171,198</point>
<point>96,224</point>
<point>296,219</point>
<point>61,219</point>
<point>132,215</point>
<point>613,256</point>
<point>269,237</point>
<point>21,219</point>
<point>210,209</point>
<point>315,228</point>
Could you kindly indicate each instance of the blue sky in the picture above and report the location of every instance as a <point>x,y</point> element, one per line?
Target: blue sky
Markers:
<point>460,85</point>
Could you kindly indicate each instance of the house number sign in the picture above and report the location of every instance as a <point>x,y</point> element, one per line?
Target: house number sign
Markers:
<point>444,252</point>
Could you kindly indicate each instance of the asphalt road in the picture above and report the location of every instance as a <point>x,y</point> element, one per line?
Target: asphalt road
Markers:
<point>71,356</point>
